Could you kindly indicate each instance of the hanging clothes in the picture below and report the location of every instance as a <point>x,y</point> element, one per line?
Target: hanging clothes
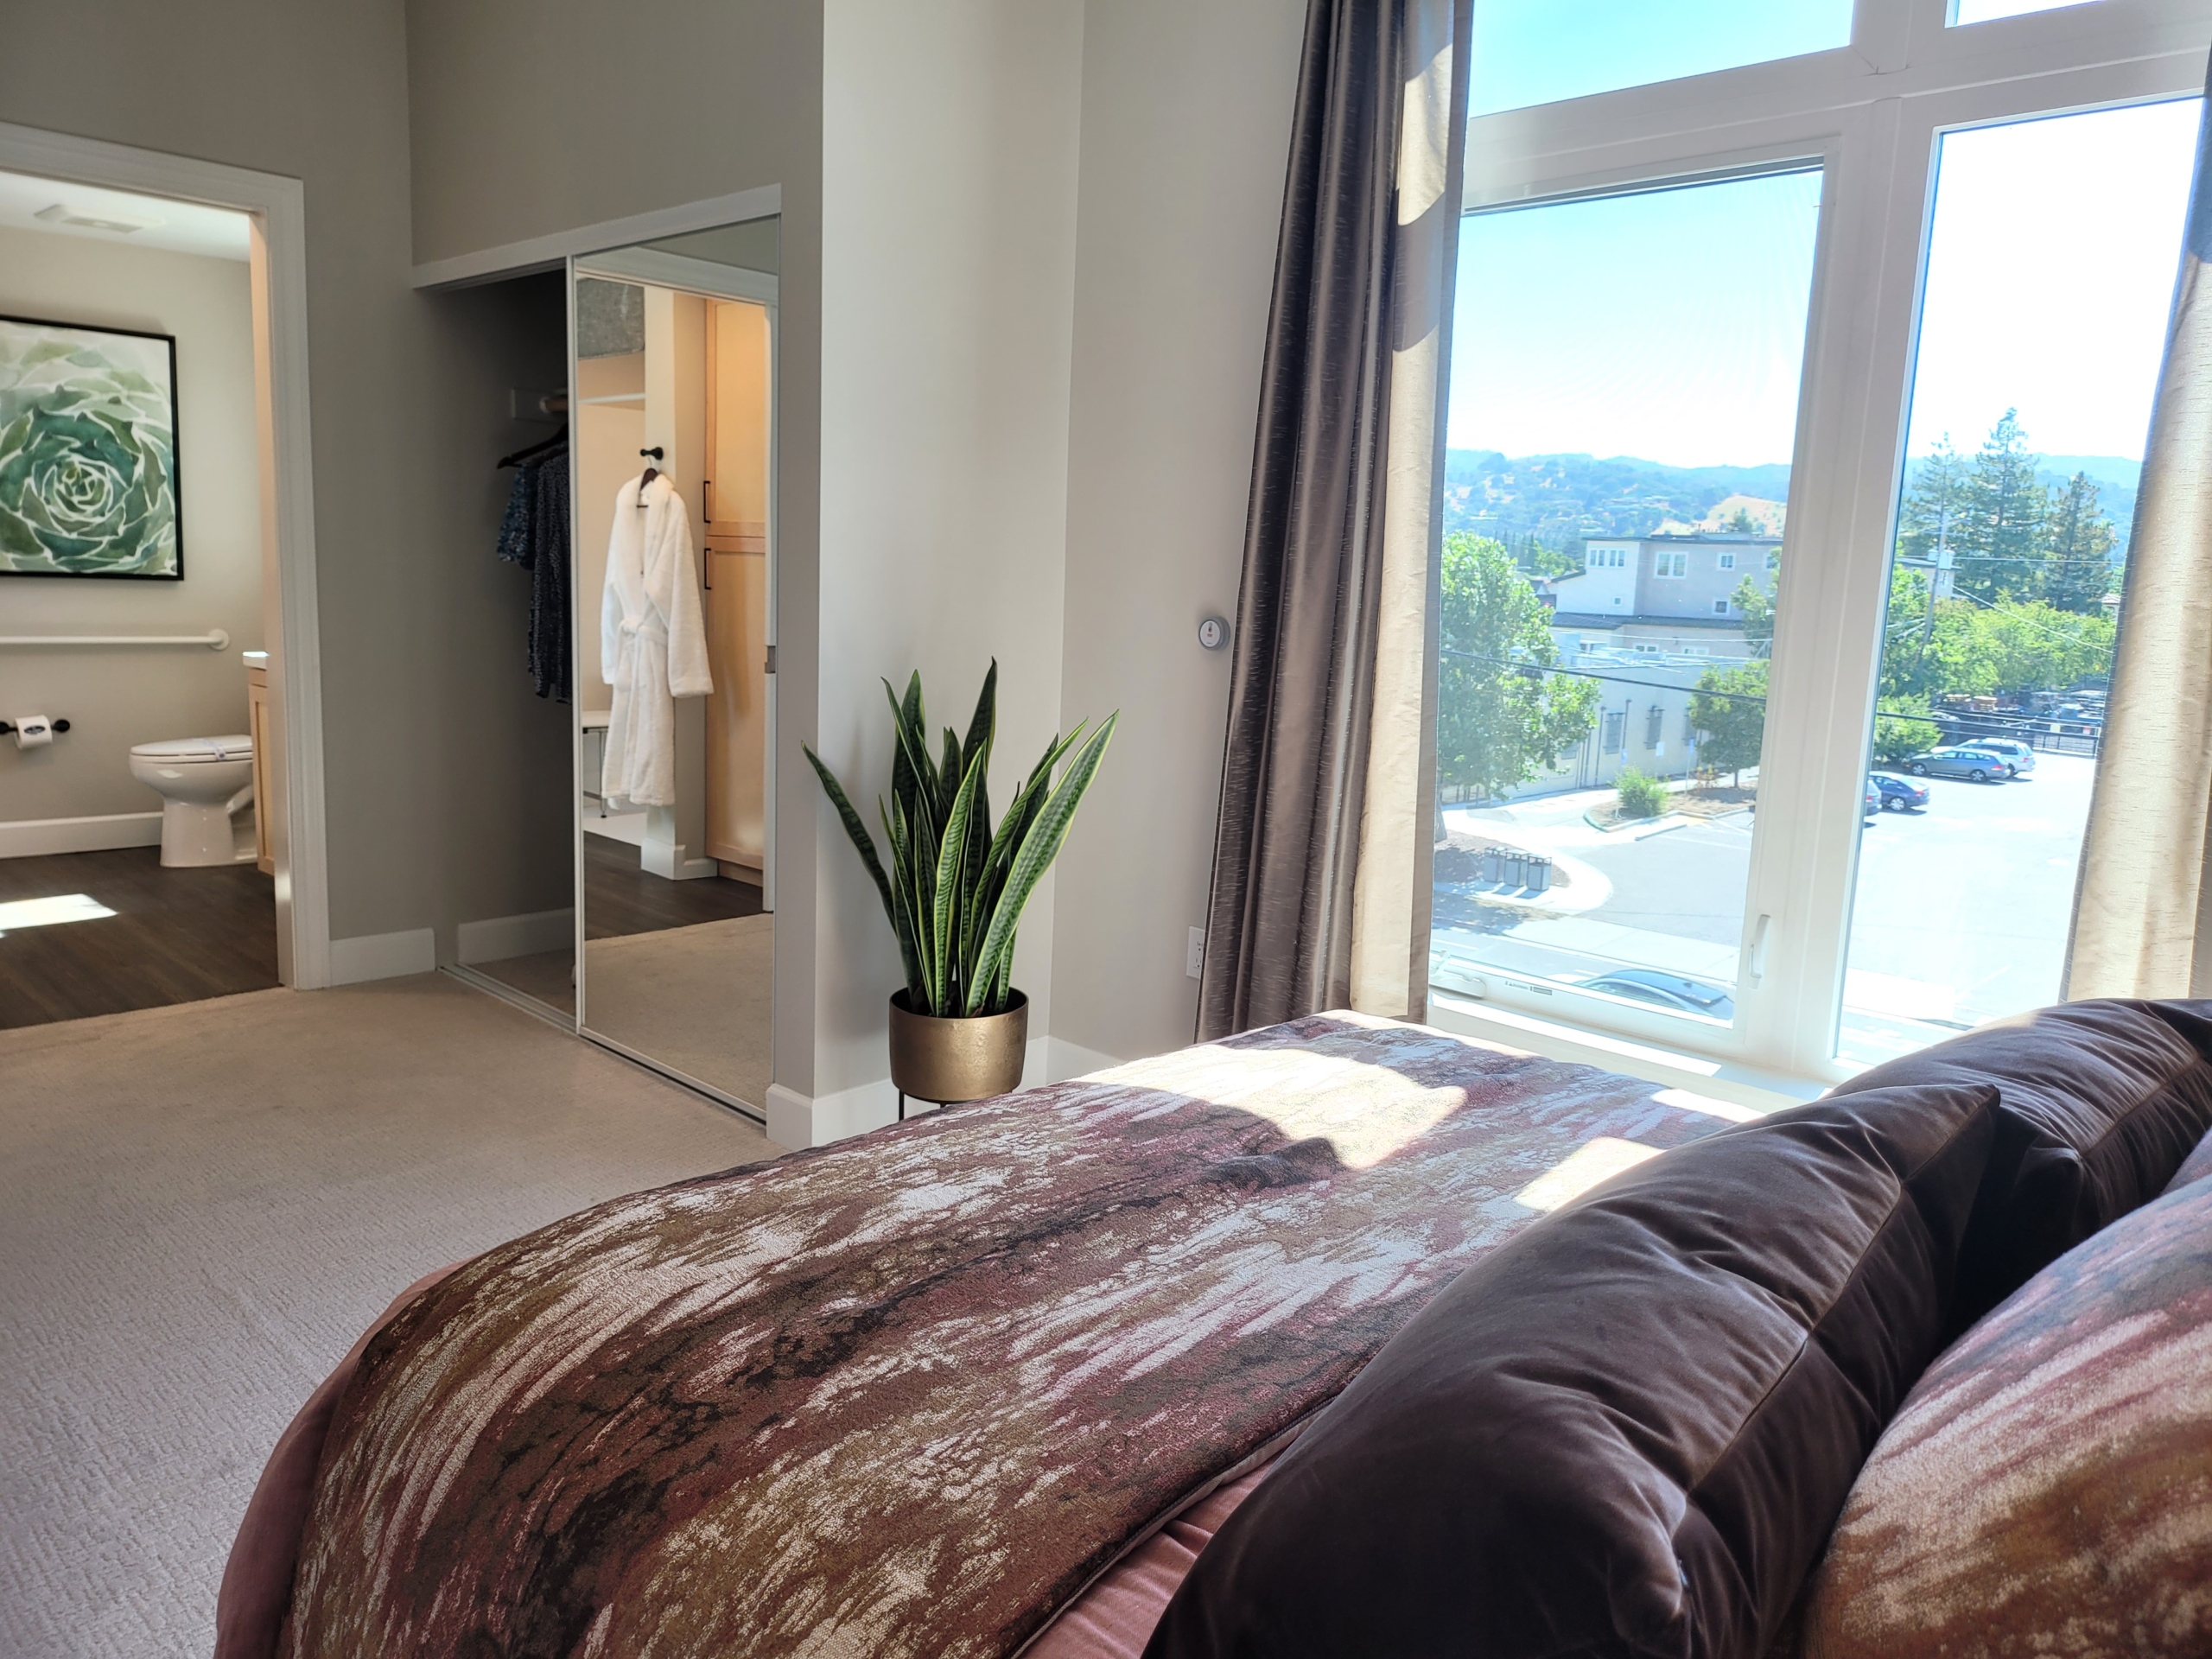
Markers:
<point>653,640</point>
<point>534,534</point>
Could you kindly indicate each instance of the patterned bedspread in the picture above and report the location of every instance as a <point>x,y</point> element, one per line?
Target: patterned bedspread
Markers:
<point>908,1394</point>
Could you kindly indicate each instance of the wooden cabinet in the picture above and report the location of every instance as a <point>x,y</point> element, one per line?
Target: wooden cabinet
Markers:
<point>734,506</point>
<point>257,710</point>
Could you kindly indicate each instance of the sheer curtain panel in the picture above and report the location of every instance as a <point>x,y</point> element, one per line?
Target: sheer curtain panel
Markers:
<point>2143,905</point>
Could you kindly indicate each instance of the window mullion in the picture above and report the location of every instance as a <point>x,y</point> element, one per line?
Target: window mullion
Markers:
<point>1828,627</point>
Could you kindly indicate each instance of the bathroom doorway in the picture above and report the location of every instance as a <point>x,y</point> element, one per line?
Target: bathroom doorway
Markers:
<point>138,843</point>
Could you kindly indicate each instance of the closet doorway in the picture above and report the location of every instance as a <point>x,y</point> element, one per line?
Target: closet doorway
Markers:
<point>673,407</point>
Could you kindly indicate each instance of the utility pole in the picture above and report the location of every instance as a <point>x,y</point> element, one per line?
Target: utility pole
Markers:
<point>1939,584</point>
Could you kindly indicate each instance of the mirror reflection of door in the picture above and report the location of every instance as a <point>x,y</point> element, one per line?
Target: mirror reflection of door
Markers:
<point>674,595</point>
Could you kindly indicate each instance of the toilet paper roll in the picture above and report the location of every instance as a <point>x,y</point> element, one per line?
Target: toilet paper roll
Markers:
<point>33,731</point>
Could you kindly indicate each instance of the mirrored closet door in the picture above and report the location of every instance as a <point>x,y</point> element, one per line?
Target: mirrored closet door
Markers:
<point>672,424</point>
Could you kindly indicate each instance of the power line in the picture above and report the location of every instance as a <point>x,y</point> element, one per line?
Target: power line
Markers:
<point>1530,669</point>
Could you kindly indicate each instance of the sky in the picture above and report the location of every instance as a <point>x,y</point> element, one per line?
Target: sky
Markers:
<point>1670,324</point>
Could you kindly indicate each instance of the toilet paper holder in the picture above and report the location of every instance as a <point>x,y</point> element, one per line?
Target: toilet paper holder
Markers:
<point>9,726</point>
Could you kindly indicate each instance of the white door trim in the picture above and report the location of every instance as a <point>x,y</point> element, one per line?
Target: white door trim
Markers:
<point>552,252</point>
<point>279,268</point>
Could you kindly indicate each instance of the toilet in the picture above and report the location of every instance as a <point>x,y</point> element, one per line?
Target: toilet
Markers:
<point>203,782</point>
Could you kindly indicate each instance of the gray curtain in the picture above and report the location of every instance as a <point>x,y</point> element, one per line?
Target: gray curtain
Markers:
<point>2143,904</point>
<point>1294,770</point>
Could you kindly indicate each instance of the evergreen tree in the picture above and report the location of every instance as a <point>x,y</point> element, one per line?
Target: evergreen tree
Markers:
<point>1500,719</point>
<point>1934,506</point>
<point>2078,569</point>
<point>2001,538</point>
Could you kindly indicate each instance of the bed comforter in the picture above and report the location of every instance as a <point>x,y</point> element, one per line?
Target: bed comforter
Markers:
<point>910,1394</point>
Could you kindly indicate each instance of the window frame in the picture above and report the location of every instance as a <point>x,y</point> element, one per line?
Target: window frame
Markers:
<point>1871,116</point>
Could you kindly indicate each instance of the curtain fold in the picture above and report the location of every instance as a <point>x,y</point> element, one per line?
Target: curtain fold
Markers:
<point>1319,566</point>
<point>2140,927</point>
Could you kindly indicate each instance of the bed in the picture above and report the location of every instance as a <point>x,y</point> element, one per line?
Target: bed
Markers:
<point>929,1391</point>
<point>1344,1335</point>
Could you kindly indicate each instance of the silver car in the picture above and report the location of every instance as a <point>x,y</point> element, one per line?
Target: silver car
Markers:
<point>2018,757</point>
<point>1979,764</point>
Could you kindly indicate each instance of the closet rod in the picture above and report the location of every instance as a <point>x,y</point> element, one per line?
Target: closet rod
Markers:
<point>214,639</point>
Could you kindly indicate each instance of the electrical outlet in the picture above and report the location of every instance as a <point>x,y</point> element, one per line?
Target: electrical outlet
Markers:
<point>1194,956</point>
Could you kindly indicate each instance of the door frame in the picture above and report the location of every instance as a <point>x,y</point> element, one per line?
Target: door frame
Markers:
<point>275,207</point>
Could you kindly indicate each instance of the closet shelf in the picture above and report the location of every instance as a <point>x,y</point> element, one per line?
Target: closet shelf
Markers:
<point>616,397</point>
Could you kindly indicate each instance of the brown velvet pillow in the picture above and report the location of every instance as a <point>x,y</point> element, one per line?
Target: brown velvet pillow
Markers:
<point>2099,1103</point>
<point>2047,1486</point>
<point>1628,1431</point>
<point>2195,1167</point>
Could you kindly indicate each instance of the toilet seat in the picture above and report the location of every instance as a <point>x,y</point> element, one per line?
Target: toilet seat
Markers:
<point>189,751</point>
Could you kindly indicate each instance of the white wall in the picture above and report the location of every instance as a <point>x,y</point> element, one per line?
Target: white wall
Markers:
<point>948,252</point>
<point>1184,139</point>
<point>116,697</point>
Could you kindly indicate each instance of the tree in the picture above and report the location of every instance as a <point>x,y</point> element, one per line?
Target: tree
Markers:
<point>1728,709</point>
<point>1902,731</point>
<point>1935,504</point>
<point>1998,538</point>
<point>2078,569</point>
<point>1501,720</point>
<point>1758,607</point>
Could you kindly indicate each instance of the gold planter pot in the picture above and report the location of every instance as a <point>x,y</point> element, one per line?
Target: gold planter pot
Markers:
<point>952,1060</point>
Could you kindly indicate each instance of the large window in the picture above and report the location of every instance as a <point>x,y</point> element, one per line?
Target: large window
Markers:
<point>1809,438</point>
<point>2031,397</point>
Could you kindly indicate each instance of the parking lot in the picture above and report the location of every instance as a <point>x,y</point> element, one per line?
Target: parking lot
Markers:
<point>1960,910</point>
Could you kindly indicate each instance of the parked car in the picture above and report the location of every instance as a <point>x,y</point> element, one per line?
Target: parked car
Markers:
<point>1668,991</point>
<point>1874,801</point>
<point>1895,794</point>
<point>1956,761</point>
<point>2017,756</point>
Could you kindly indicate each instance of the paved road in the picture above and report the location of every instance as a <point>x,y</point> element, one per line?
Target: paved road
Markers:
<point>1961,914</point>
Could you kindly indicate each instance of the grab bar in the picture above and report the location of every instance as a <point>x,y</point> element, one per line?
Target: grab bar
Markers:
<point>214,639</point>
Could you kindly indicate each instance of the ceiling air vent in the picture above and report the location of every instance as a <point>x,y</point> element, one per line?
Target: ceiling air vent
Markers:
<point>85,218</point>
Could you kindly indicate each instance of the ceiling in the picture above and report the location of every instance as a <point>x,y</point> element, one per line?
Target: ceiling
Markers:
<point>177,227</point>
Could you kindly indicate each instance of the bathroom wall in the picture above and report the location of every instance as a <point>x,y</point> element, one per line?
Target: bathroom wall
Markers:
<point>116,697</point>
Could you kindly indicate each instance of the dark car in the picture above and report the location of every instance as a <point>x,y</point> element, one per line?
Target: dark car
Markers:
<point>1897,795</point>
<point>1668,991</point>
<point>1977,765</point>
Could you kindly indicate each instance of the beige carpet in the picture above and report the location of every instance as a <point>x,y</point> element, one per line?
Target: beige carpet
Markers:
<point>696,999</point>
<point>201,1206</point>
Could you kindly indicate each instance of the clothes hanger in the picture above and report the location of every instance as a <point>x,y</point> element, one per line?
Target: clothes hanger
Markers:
<point>543,444</point>
<point>652,472</point>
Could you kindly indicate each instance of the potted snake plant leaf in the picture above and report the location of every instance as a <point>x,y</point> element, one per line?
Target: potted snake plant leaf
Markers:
<point>956,887</point>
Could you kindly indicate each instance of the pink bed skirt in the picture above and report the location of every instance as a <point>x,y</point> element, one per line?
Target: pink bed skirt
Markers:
<point>1113,1619</point>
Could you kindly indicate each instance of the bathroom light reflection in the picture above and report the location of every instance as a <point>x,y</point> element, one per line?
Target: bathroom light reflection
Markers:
<point>46,912</point>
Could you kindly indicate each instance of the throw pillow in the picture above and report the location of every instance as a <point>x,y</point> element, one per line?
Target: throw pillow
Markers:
<point>1628,1431</point>
<point>2047,1488</point>
<point>2099,1103</point>
<point>2195,1167</point>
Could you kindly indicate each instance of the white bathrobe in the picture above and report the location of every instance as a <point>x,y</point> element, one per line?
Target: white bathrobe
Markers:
<point>652,642</point>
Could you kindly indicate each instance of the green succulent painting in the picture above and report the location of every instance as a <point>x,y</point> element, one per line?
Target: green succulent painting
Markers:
<point>87,452</point>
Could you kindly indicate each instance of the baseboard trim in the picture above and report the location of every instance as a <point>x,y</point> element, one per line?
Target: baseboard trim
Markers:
<point>35,837</point>
<point>675,863</point>
<point>797,1120</point>
<point>383,955</point>
<point>1065,1059</point>
<point>498,937</point>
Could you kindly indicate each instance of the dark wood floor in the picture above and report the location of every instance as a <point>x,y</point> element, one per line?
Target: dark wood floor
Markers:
<point>176,935</point>
<point>620,899</point>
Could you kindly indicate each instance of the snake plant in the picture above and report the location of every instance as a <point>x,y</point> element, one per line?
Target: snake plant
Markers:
<point>955,888</point>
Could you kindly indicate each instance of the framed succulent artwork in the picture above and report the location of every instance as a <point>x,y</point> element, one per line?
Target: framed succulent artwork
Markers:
<point>88,478</point>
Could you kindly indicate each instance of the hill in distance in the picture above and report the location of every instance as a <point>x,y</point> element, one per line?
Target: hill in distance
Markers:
<point>1559,499</point>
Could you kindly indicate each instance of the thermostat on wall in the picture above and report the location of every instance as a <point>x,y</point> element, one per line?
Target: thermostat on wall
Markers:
<point>1213,633</point>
